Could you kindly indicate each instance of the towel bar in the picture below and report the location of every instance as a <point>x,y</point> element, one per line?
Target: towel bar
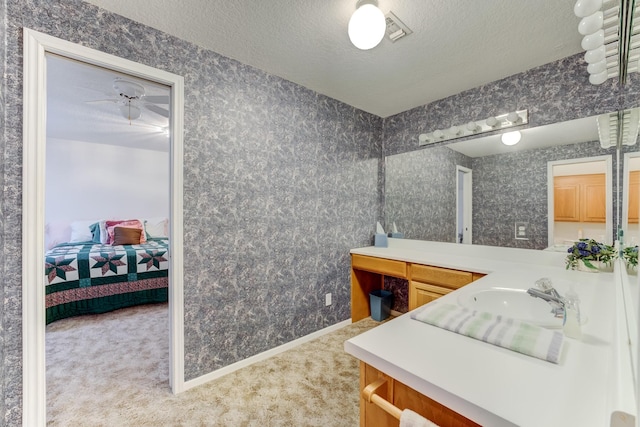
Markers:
<point>369,393</point>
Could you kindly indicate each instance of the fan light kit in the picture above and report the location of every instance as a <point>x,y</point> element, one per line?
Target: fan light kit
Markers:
<point>494,123</point>
<point>130,97</point>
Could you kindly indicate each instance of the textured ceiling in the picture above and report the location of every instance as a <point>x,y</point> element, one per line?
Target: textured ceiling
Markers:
<point>456,44</point>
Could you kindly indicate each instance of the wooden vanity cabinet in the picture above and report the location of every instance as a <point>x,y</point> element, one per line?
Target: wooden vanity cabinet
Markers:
<point>580,198</point>
<point>403,397</point>
<point>426,283</point>
<point>429,283</point>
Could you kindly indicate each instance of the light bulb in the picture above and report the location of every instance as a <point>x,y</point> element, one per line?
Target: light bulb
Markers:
<point>438,134</point>
<point>492,121</point>
<point>590,24</point>
<point>597,67</point>
<point>454,130</point>
<point>472,126</point>
<point>367,27</point>
<point>593,41</point>
<point>584,8</point>
<point>513,117</point>
<point>423,138</point>
<point>511,138</point>
<point>599,78</point>
<point>595,55</point>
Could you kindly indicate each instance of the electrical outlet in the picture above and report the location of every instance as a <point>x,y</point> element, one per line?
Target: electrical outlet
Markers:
<point>327,299</point>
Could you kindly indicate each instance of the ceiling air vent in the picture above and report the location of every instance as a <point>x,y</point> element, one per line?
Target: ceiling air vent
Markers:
<point>395,27</point>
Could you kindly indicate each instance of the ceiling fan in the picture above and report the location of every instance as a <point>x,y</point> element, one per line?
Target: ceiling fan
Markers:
<point>130,98</point>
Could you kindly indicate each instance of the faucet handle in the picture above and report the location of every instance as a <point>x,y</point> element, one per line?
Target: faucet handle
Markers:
<point>544,284</point>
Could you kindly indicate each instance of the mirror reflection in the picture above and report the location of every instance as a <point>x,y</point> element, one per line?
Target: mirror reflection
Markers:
<point>482,191</point>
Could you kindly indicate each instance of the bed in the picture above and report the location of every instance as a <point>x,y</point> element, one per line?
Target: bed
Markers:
<point>90,278</point>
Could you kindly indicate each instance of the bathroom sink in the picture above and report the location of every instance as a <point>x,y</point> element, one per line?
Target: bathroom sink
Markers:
<point>513,303</point>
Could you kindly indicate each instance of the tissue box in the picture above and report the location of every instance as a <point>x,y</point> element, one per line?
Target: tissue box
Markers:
<point>380,240</point>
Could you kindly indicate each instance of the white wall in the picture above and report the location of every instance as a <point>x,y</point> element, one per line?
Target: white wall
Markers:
<point>100,181</point>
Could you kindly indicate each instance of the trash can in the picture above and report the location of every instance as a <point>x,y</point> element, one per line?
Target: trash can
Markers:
<point>380,301</point>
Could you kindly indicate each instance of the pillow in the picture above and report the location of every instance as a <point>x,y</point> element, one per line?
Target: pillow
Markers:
<point>131,223</point>
<point>103,232</point>
<point>95,232</point>
<point>126,236</point>
<point>157,227</point>
<point>56,232</point>
<point>80,231</point>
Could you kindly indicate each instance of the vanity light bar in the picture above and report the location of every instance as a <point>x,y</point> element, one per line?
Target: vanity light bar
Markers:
<point>503,121</point>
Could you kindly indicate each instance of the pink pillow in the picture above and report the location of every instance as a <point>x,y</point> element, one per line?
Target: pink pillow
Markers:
<point>130,223</point>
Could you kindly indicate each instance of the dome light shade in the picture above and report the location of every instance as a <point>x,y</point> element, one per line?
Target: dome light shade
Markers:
<point>367,27</point>
<point>511,138</point>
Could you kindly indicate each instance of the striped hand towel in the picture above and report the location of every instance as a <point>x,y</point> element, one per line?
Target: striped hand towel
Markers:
<point>505,332</point>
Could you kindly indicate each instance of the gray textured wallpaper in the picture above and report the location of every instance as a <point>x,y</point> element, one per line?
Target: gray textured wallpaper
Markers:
<point>280,182</point>
<point>420,193</point>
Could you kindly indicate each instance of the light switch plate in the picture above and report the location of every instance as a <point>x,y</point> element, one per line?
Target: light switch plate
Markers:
<point>522,230</point>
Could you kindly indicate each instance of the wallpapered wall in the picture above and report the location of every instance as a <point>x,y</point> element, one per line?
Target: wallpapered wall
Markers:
<point>280,182</point>
<point>552,93</point>
<point>420,192</point>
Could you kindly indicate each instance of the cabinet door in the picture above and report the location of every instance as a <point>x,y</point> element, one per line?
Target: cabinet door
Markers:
<point>423,293</point>
<point>566,199</point>
<point>634,196</point>
<point>594,204</point>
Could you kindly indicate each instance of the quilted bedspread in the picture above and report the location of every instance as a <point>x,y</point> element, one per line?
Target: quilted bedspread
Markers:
<point>86,278</point>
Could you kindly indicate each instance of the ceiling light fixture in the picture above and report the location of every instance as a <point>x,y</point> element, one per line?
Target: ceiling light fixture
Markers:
<point>367,25</point>
<point>610,40</point>
<point>511,138</point>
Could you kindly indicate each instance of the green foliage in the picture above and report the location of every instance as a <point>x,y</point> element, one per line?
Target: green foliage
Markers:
<point>630,256</point>
<point>589,250</point>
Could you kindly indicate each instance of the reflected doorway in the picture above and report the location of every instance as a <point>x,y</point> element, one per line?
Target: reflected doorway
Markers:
<point>464,193</point>
<point>580,201</point>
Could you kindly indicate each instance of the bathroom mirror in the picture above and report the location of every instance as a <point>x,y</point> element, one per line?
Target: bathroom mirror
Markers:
<point>425,190</point>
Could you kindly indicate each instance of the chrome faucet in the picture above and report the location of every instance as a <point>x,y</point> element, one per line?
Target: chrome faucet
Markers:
<point>545,290</point>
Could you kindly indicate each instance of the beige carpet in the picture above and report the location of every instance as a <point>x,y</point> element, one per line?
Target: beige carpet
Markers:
<point>113,369</point>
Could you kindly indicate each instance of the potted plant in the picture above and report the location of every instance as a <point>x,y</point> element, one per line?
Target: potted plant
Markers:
<point>589,255</point>
<point>630,256</point>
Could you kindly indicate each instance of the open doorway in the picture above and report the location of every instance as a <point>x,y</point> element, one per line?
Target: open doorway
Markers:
<point>580,201</point>
<point>464,197</point>
<point>106,229</point>
<point>36,47</point>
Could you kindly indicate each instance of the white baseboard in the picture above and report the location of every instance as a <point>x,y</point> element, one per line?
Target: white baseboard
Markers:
<point>262,356</point>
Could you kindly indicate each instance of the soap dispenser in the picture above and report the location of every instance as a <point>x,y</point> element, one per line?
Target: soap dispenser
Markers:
<point>571,322</point>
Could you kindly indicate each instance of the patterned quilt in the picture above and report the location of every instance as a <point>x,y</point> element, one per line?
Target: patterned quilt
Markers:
<point>86,278</point>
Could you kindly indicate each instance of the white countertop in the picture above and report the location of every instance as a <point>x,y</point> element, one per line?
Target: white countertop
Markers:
<point>488,384</point>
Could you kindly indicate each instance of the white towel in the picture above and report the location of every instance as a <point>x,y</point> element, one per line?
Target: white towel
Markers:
<point>408,418</point>
<point>505,332</point>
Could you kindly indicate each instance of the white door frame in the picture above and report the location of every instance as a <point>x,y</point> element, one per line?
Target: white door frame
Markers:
<point>36,44</point>
<point>608,159</point>
<point>467,205</point>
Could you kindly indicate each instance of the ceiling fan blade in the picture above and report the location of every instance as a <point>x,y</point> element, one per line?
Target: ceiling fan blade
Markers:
<point>158,110</point>
<point>102,101</point>
<point>160,99</point>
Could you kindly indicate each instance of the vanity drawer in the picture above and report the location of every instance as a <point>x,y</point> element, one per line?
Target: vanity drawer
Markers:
<point>379,265</point>
<point>453,279</point>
